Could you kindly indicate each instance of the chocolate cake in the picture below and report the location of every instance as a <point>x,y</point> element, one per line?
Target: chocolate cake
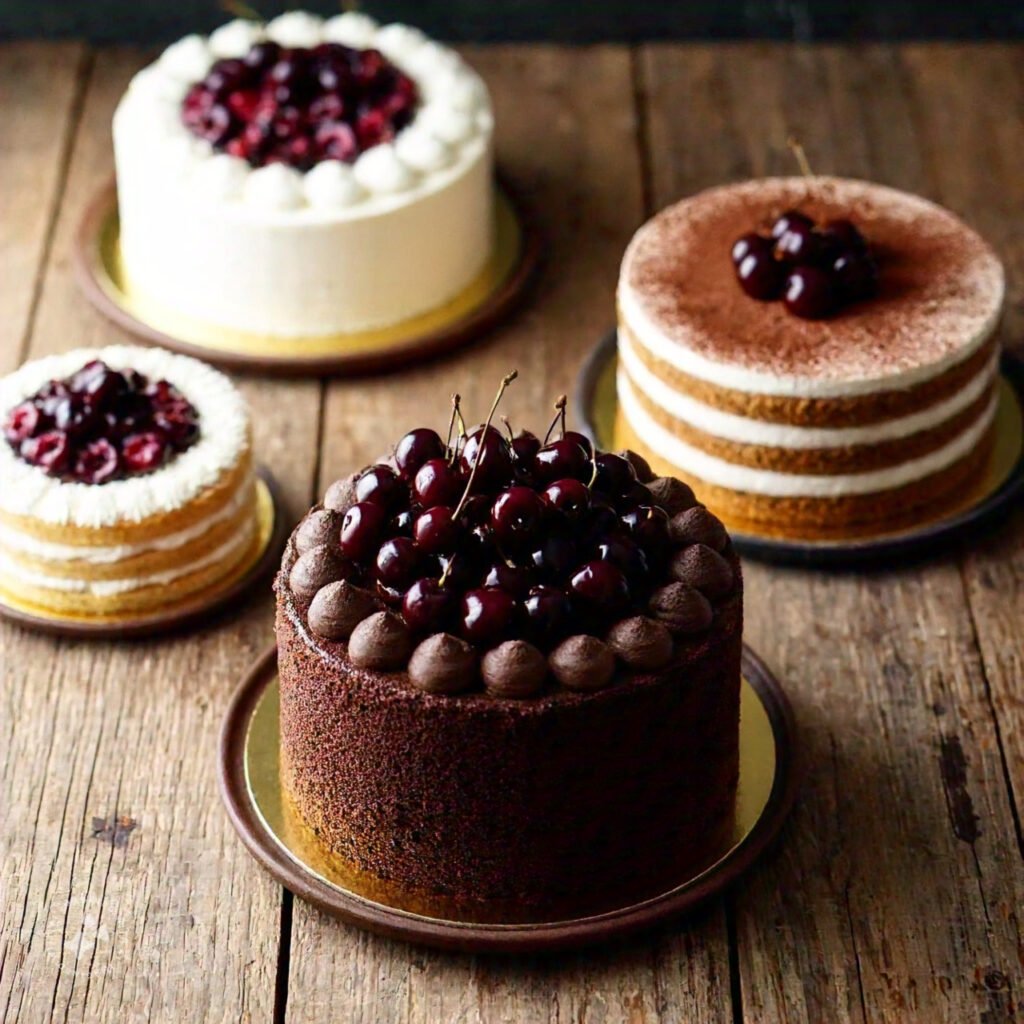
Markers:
<point>509,670</point>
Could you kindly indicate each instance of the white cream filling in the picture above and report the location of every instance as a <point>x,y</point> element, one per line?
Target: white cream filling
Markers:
<point>224,434</point>
<point>739,378</point>
<point>745,430</point>
<point>721,473</point>
<point>453,121</point>
<point>46,550</point>
<point>108,588</point>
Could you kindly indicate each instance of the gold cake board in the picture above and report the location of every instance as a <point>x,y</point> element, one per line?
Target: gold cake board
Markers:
<point>990,492</point>
<point>251,788</point>
<point>232,588</point>
<point>490,297</point>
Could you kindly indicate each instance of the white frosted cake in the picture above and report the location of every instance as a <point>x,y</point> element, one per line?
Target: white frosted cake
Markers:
<point>306,177</point>
<point>127,482</point>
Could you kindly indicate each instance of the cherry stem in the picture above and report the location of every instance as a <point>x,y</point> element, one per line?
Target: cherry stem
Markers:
<point>593,461</point>
<point>559,415</point>
<point>456,398</point>
<point>505,382</point>
<point>800,156</point>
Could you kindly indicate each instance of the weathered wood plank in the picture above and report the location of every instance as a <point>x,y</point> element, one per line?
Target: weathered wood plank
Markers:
<point>40,84</point>
<point>895,893</point>
<point>566,138</point>
<point>174,920</point>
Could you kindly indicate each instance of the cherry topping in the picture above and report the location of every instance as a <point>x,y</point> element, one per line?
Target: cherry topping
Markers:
<point>615,475</point>
<point>525,446</point>
<point>516,515</point>
<point>487,615</point>
<point>300,106</point>
<point>437,483</point>
<point>548,615</point>
<point>563,458</point>
<point>626,554</point>
<point>601,587</point>
<point>513,579</point>
<point>397,563</point>
<point>760,274</point>
<point>809,293</point>
<point>435,532</point>
<point>361,530</point>
<point>581,439</point>
<point>797,244</point>
<point>855,274</point>
<point>746,244</point>
<point>427,606</point>
<point>380,485</point>
<point>494,469</point>
<point>101,424</point>
<point>416,448</point>
<point>791,219</point>
<point>571,497</point>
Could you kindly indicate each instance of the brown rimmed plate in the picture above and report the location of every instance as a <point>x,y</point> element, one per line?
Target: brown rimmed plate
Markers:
<point>487,300</point>
<point>992,496</point>
<point>234,589</point>
<point>251,788</point>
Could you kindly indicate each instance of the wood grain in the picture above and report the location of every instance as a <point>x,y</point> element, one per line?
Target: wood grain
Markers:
<point>173,921</point>
<point>567,140</point>
<point>40,86</point>
<point>896,891</point>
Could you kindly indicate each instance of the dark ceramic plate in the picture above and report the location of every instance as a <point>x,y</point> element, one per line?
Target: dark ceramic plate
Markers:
<point>251,788</point>
<point>993,497</point>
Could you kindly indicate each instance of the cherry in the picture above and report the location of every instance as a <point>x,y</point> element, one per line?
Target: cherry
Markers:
<point>525,446</point>
<point>427,606</point>
<point>361,530</point>
<point>437,483</point>
<point>75,416</point>
<point>143,452</point>
<point>494,470</point>
<point>600,587</point>
<point>855,275</point>
<point>50,451</point>
<point>788,220</point>
<point>760,275</point>
<point>516,515</point>
<point>809,293</point>
<point>401,524</point>
<point>397,562</point>
<point>416,448</point>
<point>435,532</point>
<point>648,526</point>
<point>97,463</point>
<point>177,425</point>
<point>459,571</point>
<point>555,556</point>
<point>569,496</point>
<point>845,233</point>
<point>746,244</point>
<point>581,439</point>
<point>615,475</point>
<point>380,485</point>
<point>636,494</point>
<point>22,422</point>
<point>513,579</point>
<point>627,555</point>
<point>547,612</point>
<point>476,510</point>
<point>487,615</point>
<point>559,459</point>
<point>797,244</point>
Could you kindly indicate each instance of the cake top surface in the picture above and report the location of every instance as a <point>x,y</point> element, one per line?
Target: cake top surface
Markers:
<point>513,564</point>
<point>306,116</point>
<point>194,428</point>
<point>939,295</point>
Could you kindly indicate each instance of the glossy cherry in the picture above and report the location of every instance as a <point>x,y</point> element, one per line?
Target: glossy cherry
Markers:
<point>427,606</point>
<point>547,615</point>
<point>560,459</point>
<point>810,293</point>
<point>362,529</point>
<point>516,516</point>
<point>513,579</point>
<point>492,451</point>
<point>415,448</point>
<point>437,483</point>
<point>380,485</point>
<point>760,275</point>
<point>601,587</point>
<point>397,563</point>
<point>435,532</point>
<point>486,616</point>
<point>569,496</point>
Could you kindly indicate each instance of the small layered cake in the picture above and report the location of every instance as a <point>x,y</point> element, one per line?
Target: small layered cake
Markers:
<point>818,356</point>
<point>516,683</point>
<point>128,483</point>
<point>304,177</point>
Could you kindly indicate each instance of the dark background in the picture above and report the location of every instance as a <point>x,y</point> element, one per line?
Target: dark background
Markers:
<point>153,21</point>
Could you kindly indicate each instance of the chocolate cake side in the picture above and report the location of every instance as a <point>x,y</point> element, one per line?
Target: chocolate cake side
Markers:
<point>541,801</point>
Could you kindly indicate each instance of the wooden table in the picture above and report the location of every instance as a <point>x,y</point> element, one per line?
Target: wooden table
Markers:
<point>897,891</point>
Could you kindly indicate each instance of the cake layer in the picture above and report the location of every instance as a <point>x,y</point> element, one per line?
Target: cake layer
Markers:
<point>811,450</point>
<point>337,249</point>
<point>830,516</point>
<point>561,796</point>
<point>834,413</point>
<point>693,463</point>
<point>939,299</point>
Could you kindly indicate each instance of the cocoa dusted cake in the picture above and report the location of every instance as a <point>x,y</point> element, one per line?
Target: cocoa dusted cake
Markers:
<point>510,670</point>
<point>817,355</point>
